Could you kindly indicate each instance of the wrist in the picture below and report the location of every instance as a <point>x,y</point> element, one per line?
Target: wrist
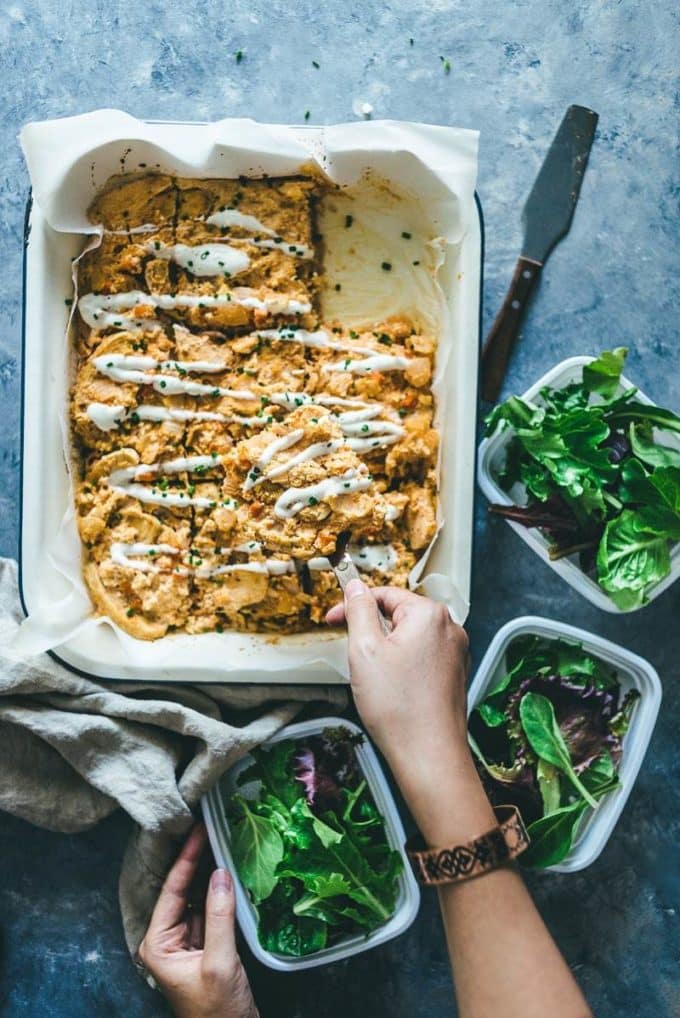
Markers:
<point>445,795</point>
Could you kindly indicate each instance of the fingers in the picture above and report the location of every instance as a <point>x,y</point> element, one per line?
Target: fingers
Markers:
<point>361,613</point>
<point>390,599</point>
<point>174,894</point>
<point>219,950</point>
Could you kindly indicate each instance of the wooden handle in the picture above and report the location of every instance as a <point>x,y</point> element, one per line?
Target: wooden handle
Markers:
<point>503,333</point>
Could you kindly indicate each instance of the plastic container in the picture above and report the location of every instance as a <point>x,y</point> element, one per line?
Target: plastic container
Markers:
<point>634,672</point>
<point>490,461</point>
<point>408,895</point>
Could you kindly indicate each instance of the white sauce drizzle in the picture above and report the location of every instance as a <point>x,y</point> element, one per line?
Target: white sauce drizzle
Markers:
<point>120,555</point>
<point>202,259</point>
<point>106,417</point>
<point>255,474</point>
<point>231,217</point>
<point>123,368</point>
<point>376,362</point>
<point>103,311</point>
<point>314,451</point>
<point>320,339</point>
<point>293,500</point>
<point>368,558</point>
<point>123,482</point>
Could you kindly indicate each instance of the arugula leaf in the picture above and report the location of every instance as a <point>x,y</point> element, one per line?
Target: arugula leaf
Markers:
<point>537,715</point>
<point>632,557</point>
<point>323,886</point>
<point>603,374</point>
<point>257,847</point>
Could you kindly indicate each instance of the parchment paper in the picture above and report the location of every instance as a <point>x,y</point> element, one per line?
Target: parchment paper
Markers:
<point>396,178</point>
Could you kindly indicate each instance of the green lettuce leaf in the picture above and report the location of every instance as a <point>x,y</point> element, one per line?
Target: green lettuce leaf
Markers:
<point>257,848</point>
<point>603,374</point>
<point>632,557</point>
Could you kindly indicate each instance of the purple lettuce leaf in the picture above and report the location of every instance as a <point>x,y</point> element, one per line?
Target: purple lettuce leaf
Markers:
<point>325,764</point>
<point>584,713</point>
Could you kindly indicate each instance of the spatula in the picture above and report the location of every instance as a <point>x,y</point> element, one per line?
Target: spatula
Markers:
<point>345,570</point>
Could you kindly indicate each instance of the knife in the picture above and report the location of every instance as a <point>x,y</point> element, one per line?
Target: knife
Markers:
<point>546,218</point>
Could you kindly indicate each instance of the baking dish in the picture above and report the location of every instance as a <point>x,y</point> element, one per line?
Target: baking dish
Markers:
<point>91,647</point>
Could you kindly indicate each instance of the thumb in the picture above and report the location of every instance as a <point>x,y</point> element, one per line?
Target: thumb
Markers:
<point>361,613</point>
<point>219,950</point>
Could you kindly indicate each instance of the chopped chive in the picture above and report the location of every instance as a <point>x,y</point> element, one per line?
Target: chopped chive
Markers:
<point>68,301</point>
<point>405,235</point>
<point>338,287</point>
<point>307,114</point>
<point>386,266</point>
<point>239,55</point>
<point>348,221</point>
<point>315,64</point>
<point>446,64</point>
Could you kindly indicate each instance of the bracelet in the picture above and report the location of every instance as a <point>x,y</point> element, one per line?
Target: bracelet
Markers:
<point>435,866</point>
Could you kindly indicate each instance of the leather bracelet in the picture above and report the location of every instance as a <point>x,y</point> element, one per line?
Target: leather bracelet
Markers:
<point>434,866</point>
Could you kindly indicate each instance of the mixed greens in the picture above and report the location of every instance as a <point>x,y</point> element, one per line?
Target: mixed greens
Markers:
<point>598,480</point>
<point>548,738</point>
<point>310,847</point>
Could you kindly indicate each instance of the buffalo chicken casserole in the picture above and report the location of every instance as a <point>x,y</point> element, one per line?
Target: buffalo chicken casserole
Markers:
<point>225,433</point>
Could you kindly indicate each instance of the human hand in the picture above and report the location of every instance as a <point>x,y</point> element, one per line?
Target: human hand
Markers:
<point>192,956</point>
<point>409,687</point>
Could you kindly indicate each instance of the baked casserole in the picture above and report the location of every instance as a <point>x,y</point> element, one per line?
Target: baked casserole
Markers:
<point>224,432</point>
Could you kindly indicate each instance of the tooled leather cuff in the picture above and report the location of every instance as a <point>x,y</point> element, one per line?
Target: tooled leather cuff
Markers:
<point>463,862</point>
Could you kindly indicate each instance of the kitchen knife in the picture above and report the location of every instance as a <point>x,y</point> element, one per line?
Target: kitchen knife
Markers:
<point>546,218</point>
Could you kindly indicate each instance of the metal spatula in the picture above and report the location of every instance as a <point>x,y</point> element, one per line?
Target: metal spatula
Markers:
<point>345,570</point>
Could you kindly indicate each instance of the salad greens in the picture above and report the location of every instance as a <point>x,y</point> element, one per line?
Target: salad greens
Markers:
<point>310,847</point>
<point>599,481</point>
<point>548,738</point>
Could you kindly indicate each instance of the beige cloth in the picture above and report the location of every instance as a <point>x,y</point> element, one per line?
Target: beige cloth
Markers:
<point>73,750</point>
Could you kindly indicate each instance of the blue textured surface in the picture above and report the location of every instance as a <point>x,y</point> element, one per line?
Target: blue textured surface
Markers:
<point>514,69</point>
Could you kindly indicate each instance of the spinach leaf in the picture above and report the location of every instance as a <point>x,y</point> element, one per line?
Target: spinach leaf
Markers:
<point>296,936</point>
<point>552,836</point>
<point>548,778</point>
<point>633,556</point>
<point>540,726</point>
<point>257,847</point>
<point>602,375</point>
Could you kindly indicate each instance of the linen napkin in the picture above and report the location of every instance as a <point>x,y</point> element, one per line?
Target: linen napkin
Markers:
<point>72,750</point>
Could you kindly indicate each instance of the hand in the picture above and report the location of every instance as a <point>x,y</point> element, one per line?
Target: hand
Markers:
<point>193,959</point>
<point>409,687</point>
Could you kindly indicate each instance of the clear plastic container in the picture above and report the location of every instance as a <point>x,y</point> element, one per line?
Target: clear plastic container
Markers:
<point>492,452</point>
<point>634,672</point>
<point>408,895</point>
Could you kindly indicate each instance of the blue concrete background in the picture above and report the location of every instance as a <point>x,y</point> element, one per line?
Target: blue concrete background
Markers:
<point>514,67</point>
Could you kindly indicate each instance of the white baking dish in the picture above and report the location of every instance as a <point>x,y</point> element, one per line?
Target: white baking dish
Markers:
<point>94,646</point>
<point>634,672</point>
<point>408,898</point>
<point>492,452</point>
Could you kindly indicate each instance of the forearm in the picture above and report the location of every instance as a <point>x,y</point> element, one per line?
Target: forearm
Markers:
<point>503,958</point>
